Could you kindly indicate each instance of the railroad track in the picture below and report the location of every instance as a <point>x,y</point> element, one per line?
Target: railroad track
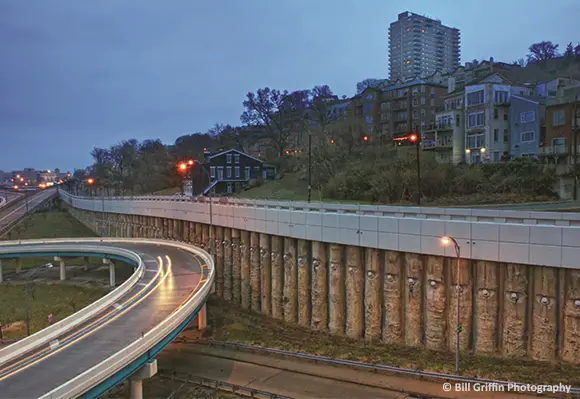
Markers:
<point>388,392</point>
<point>357,365</point>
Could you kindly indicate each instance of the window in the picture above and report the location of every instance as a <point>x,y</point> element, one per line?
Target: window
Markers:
<point>230,189</point>
<point>432,102</point>
<point>212,172</point>
<point>476,141</point>
<point>369,108</point>
<point>220,172</point>
<point>384,105</point>
<point>415,101</point>
<point>527,137</point>
<point>247,172</point>
<point>560,143</point>
<point>414,113</point>
<point>495,135</point>
<point>422,89</point>
<point>229,158</point>
<point>229,172</point>
<point>457,120</point>
<point>422,100</point>
<point>475,98</point>
<point>495,113</point>
<point>369,119</point>
<point>370,96</point>
<point>501,97</point>
<point>527,117</point>
<point>558,117</point>
<point>476,119</point>
<point>423,113</point>
<point>496,156</point>
<point>505,116</point>
<point>237,171</point>
<point>506,137</point>
<point>237,158</point>
<point>432,90</point>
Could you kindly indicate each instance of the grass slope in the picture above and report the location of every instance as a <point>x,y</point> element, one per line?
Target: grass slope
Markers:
<point>230,323</point>
<point>44,298</point>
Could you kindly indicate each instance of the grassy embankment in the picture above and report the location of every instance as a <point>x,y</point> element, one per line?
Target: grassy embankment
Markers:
<point>48,295</point>
<point>230,323</point>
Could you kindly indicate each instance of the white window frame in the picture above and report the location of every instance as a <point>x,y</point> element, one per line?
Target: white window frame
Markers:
<point>475,115</point>
<point>212,172</point>
<point>248,172</point>
<point>228,172</point>
<point>478,141</point>
<point>561,120</point>
<point>527,141</point>
<point>524,117</point>
<point>228,158</point>
<point>237,172</point>
<point>237,158</point>
<point>422,100</point>
<point>481,101</point>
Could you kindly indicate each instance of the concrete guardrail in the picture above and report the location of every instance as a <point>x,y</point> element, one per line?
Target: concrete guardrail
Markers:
<point>120,360</point>
<point>44,336</point>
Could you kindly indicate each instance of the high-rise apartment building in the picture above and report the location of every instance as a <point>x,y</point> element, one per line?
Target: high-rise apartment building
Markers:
<point>420,46</point>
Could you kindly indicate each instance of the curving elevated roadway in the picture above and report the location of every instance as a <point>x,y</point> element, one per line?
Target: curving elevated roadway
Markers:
<point>11,214</point>
<point>90,358</point>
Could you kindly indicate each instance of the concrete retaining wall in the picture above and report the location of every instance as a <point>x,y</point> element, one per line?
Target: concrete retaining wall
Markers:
<point>507,309</point>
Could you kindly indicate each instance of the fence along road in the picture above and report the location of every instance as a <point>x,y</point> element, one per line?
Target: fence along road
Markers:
<point>94,356</point>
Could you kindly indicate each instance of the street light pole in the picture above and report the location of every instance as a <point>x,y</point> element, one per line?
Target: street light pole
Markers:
<point>418,169</point>
<point>446,241</point>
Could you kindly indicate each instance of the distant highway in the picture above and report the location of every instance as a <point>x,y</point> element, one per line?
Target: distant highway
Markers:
<point>11,214</point>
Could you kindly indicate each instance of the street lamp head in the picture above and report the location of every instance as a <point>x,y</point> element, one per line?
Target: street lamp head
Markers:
<point>468,151</point>
<point>445,240</point>
<point>482,149</point>
<point>413,138</point>
<point>190,162</point>
<point>90,181</point>
<point>182,166</point>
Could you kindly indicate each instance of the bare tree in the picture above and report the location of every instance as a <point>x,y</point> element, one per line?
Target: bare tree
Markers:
<point>542,51</point>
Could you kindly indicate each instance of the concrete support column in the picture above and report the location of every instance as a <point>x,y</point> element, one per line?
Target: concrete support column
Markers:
<point>18,265</point>
<point>85,263</point>
<point>236,267</point>
<point>255,271</point>
<point>62,267</point>
<point>219,260</point>
<point>111,271</point>
<point>277,269</point>
<point>1,272</point>
<point>202,318</point>
<point>290,281</point>
<point>147,371</point>
<point>227,272</point>
<point>245,269</point>
<point>354,293</point>
<point>319,299</point>
<point>303,279</point>
<point>265,274</point>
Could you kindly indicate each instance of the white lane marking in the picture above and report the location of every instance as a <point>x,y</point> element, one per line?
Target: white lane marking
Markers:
<point>150,261</point>
<point>54,344</point>
<point>117,306</point>
<point>143,284</point>
<point>151,270</point>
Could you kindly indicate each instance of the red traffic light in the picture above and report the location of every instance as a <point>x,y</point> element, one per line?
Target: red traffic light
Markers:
<point>365,138</point>
<point>182,166</point>
<point>413,138</point>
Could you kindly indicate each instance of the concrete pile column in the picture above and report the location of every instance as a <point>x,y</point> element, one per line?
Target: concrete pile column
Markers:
<point>354,291</point>
<point>227,276</point>
<point>372,295</point>
<point>185,232</point>
<point>18,265</point>
<point>336,291</point>
<point>236,267</point>
<point>192,232</point>
<point>85,263</point>
<point>319,287</point>
<point>515,310</point>
<point>1,272</point>
<point>245,269</point>
<point>570,302</point>
<point>136,380</point>
<point>62,267</point>
<point>205,237</point>
<point>265,274</point>
<point>277,268</point>
<point>435,304</point>
<point>198,235</point>
<point>255,271</point>
<point>219,261</point>
<point>304,288</point>
<point>487,300</point>
<point>111,271</point>
<point>290,281</point>
<point>393,288</point>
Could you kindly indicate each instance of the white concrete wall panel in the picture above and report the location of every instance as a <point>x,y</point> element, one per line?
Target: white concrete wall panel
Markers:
<point>536,238</point>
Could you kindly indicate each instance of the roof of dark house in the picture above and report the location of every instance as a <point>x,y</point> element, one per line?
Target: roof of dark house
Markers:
<point>236,151</point>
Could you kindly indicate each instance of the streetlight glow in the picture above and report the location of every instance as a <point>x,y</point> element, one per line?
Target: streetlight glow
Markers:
<point>182,166</point>
<point>90,181</point>
<point>482,149</point>
<point>445,241</point>
<point>190,162</point>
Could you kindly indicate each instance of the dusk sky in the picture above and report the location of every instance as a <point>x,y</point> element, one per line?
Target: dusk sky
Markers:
<point>78,74</point>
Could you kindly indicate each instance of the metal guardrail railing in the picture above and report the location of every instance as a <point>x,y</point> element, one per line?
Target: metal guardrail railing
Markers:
<point>427,375</point>
<point>6,229</point>
<point>121,359</point>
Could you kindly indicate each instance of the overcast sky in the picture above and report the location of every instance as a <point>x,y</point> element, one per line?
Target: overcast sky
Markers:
<point>75,74</point>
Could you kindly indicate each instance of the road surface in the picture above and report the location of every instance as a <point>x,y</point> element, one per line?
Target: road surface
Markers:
<point>13,213</point>
<point>171,276</point>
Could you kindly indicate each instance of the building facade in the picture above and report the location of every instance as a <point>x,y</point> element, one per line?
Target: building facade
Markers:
<point>420,46</point>
<point>525,118</point>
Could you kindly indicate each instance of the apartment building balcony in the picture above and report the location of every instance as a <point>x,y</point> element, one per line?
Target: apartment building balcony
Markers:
<point>438,127</point>
<point>437,141</point>
<point>557,150</point>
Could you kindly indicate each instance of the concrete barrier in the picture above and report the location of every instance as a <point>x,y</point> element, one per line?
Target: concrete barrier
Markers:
<point>2,201</point>
<point>44,336</point>
<point>100,372</point>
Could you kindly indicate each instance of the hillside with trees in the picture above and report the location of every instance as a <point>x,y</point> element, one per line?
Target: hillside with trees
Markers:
<point>277,126</point>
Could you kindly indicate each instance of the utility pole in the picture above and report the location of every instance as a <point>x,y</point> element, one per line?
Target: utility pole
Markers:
<point>309,166</point>
<point>575,129</point>
<point>414,138</point>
